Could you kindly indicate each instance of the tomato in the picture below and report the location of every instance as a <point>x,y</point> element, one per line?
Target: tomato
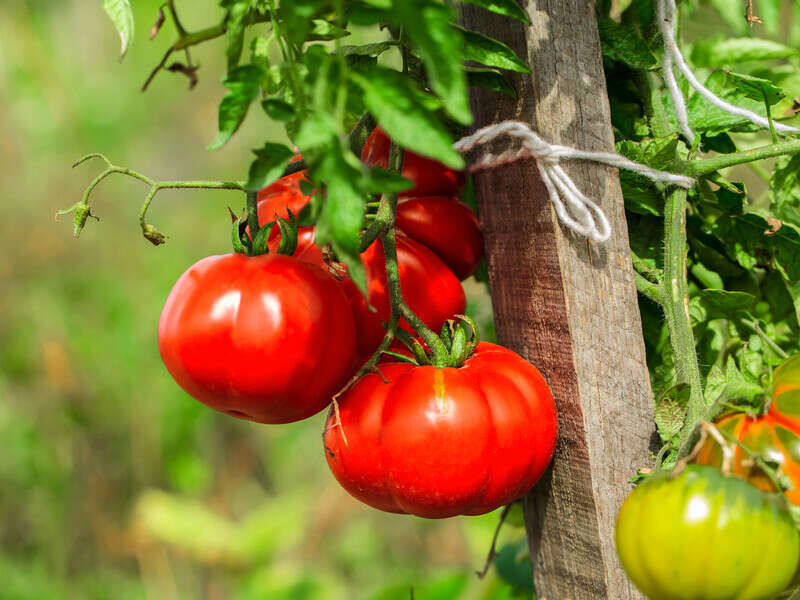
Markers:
<point>785,403</point>
<point>439,442</point>
<point>268,338</point>
<point>446,226</point>
<point>767,437</point>
<point>705,536</point>
<point>430,288</point>
<point>431,178</point>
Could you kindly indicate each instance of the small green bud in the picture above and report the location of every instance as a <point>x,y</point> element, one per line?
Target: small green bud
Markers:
<point>153,235</point>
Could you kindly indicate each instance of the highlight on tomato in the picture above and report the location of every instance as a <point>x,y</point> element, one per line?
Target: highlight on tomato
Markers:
<point>443,441</point>
<point>269,337</point>
<point>703,535</point>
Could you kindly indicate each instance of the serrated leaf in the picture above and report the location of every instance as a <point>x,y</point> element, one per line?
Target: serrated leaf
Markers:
<point>490,52</point>
<point>730,201</point>
<point>271,160</point>
<point>756,88</point>
<point>432,36</point>
<point>342,216</point>
<point>670,411</point>
<point>390,97</point>
<point>259,52</point>
<point>121,14</point>
<point>721,304</point>
<point>243,83</point>
<point>721,51</point>
<point>508,8</point>
<point>624,44</point>
<point>490,79</point>
<point>660,153</point>
<point>706,118</point>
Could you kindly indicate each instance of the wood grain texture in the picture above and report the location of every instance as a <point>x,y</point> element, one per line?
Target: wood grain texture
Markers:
<point>565,303</point>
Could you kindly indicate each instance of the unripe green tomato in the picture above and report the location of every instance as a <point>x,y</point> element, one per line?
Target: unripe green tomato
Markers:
<point>706,536</point>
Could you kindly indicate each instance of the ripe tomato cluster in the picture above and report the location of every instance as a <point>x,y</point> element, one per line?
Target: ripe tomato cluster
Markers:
<point>272,337</point>
<point>723,522</point>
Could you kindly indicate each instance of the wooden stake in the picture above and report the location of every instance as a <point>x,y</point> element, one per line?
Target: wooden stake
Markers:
<point>565,303</point>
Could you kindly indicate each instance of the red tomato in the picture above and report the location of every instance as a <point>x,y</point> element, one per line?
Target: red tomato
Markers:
<point>439,442</point>
<point>430,288</point>
<point>446,226</point>
<point>268,338</point>
<point>432,178</point>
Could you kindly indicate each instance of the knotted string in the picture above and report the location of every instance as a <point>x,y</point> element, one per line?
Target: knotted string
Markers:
<point>574,209</point>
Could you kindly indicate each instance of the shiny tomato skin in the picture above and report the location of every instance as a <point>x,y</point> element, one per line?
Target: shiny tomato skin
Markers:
<point>440,442</point>
<point>267,338</point>
<point>431,178</point>
<point>704,536</point>
<point>430,289</point>
<point>769,437</point>
<point>785,404</point>
<point>446,226</point>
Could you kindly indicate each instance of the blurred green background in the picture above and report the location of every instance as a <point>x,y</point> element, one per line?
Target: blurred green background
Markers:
<point>113,482</point>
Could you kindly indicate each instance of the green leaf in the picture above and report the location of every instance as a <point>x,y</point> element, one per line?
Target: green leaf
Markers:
<point>438,44</point>
<point>390,97</point>
<point>372,50</point>
<point>508,8</point>
<point>259,52</point>
<point>384,181</point>
<point>670,411</point>
<point>243,83</point>
<point>121,14</point>
<point>490,52</point>
<point>752,241</point>
<point>722,51</point>
<point>513,565</point>
<point>721,304</point>
<point>271,160</point>
<point>732,14</point>
<point>234,31</point>
<point>784,189</point>
<point>325,30</point>
<point>490,79</point>
<point>706,118</point>
<point>756,88</point>
<point>624,44</point>
<point>660,153</point>
<point>278,109</point>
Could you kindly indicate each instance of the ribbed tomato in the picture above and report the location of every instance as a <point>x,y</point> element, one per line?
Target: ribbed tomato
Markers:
<point>765,436</point>
<point>431,178</point>
<point>775,437</point>
<point>704,536</point>
<point>267,338</point>
<point>439,442</point>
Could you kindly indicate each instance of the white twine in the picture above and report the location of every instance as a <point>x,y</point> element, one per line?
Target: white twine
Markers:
<point>577,212</point>
<point>672,55</point>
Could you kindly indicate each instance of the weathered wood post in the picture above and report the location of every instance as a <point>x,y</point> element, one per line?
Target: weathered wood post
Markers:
<point>567,304</point>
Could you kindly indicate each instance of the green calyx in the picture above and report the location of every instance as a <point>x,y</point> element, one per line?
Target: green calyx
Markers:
<point>459,337</point>
<point>258,244</point>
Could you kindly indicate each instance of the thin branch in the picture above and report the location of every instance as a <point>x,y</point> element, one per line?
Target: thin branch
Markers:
<point>492,549</point>
<point>709,165</point>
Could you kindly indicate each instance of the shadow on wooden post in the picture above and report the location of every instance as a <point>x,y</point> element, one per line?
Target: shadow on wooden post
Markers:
<point>565,303</point>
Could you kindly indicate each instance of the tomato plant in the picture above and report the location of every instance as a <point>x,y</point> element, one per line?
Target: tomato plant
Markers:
<point>268,338</point>
<point>438,442</point>
<point>702,535</point>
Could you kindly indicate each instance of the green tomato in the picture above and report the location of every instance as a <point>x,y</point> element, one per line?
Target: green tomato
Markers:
<point>705,536</point>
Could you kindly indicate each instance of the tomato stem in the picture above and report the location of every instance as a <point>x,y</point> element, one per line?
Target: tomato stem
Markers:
<point>252,213</point>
